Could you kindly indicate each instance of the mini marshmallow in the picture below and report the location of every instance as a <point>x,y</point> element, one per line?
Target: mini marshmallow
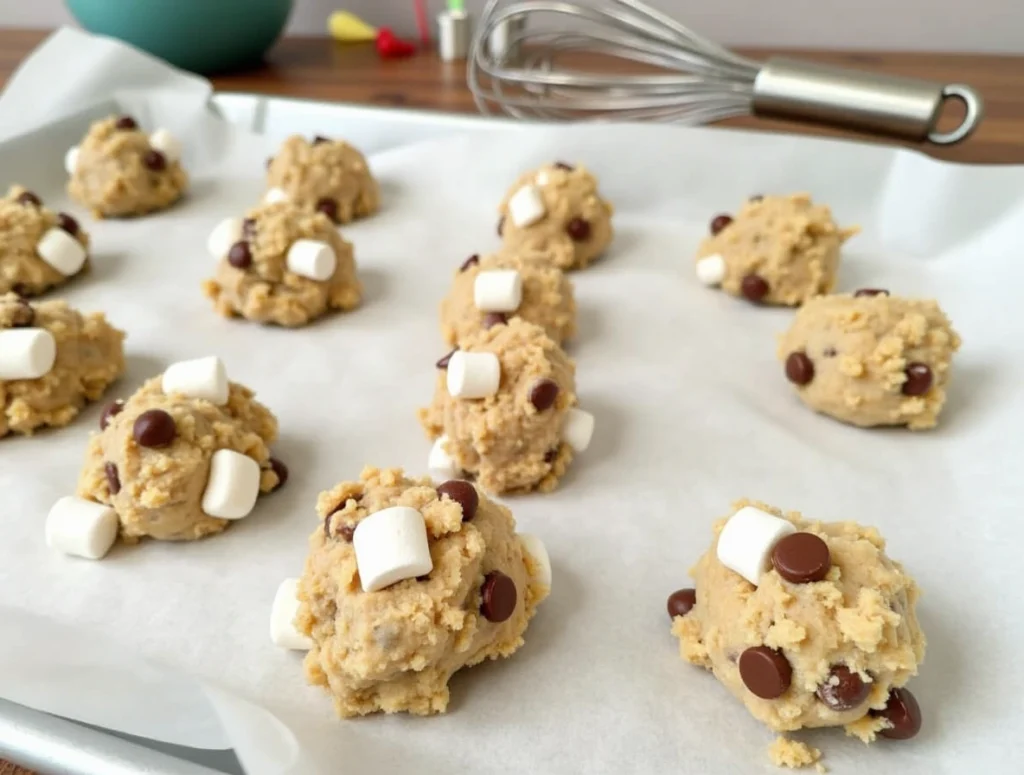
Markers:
<point>313,259</point>
<point>233,485</point>
<point>71,160</point>
<point>199,378</point>
<point>498,290</point>
<point>526,206</point>
<point>578,429</point>
<point>282,618</point>
<point>440,463</point>
<point>536,549</point>
<point>711,270</point>
<point>473,375</point>
<point>275,195</point>
<point>61,251</point>
<point>26,353</point>
<point>224,235</point>
<point>542,178</point>
<point>167,144</point>
<point>746,542</point>
<point>391,545</point>
<point>81,528</point>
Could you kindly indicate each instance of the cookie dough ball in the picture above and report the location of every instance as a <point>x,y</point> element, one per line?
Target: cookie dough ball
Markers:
<point>505,410</point>
<point>53,360</point>
<point>327,176</point>
<point>870,358</point>
<point>779,250</point>
<point>281,265</point>
<point>488,291</point>
<point>808,624</point>
<point>39,249</point>
<point>466,591</point>
<point>558,211</point>
<point>182,458</point>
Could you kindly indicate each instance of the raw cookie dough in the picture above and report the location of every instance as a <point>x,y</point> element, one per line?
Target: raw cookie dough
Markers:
<point>504,439</point>
<point>258,272</point>
<point>23,224</point>
<point>329,176</point>
<point>117,172</point>
<point>89,356</point>
<point>794,754</point>
<point>831,647</point>
<point>558,211</point>
<point>154,471</point>
<point>546,297</point>
<point>777,250</point>
<point>871,359</point>
<point>396,648</point>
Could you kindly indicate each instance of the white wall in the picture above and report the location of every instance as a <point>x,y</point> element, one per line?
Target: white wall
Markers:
<point>937,25</point>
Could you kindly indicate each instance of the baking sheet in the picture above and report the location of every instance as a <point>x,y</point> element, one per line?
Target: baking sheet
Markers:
<point>692,411</point>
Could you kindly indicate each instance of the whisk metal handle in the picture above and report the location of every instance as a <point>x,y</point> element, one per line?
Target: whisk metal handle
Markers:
<point>882,104</point>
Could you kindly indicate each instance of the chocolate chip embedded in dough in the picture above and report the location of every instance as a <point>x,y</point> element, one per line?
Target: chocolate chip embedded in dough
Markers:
<point>126,122</point>
<point>155,161</point>
<point>281,470</point>
<point>109,412</point>
<point>239,256</point>
<point>492,319</point>
<point>719,222</point>
<point>154,428</point>
<point>67,223</point>
<point>543,394</point>
<point>443,361</point>
<point>550,455</point>
<point>564,166</point>
<point>328,207</point>
<point>801,558</point>
<point>919,379</point>
<point>501,225</point>
<point>113,479</point>
<point>871,292</point>
<point>756,197</point>
<point>28,198</point>
<point>754,287</point>
<point>765,672</point>
<point>799,368</point>
<point>578,229</point>
<point>497,597</point>
<point>473,260</point>
<point>248,227</point>
<point>844,689</point>
<point>903,714</point>
<point>463,493</point>
<point>829,352</point>
<point>23,315</point>
<point>346,532</point>
<point>681,601</point>
<point>320,139</point>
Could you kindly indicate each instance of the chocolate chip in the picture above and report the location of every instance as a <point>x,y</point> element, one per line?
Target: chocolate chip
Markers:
<point>154,428</point>
<point>281,470</point>
<point>801,558</point>
<point>681,601</point>
<point>497,597</point>
<point>919,379</point>
<point>462,493</point>
<point>543,394</point>
<point>239,256</point>
<point>248,227</point>
<point>756,197</point>
<point>719,222</point>
<point>871,292</point>
<point>270,160</point>
<point>328,207</point>
<point>844,689</point>
<point>443,362</point>
<point>563,166</point>
<point>501,225</point>
<point>20,289</point>
<point>109,411</point>
<point>155,161</point>
<point>318,139</point>
<point>754,287</point>
<point>113,480</point>
<point>22,316</point>
<point>903,714</point>
<point>126,122</point>
<point>550,455</point>
<point>578,229</point>
<point>473,260</point>
<point>28,198</point>
<point>425,577</point>
<point>67,223</point>
<point>494,319</point>
<point>765,672</point>
<point>799,368</point>
<point>345,532</point>
<point>829,352</point>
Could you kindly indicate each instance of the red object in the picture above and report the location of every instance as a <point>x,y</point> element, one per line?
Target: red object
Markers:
<point>421,22</point>
<point>390,47</point>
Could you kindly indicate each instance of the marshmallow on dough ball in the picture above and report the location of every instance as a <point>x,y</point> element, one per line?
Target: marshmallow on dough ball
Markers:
<point>313,259</point>
<point>275,195</point>
<point>81,528</point>
<point>71,160</point>
<point>169,145</point>
<point>473,375</point>
<point>711,270</point>
<point>526,206</point>
<point>536,549</point>
<point>440,463</point>
<point>233,485</point>
<point>61,251</point>
<point>26,353</point>
<point>746,542</point>
<point>578,429</point>
<point>224,235</point>
<point>204,378</point>
<point>498,290</point>
<point>391,545</point>
<point>282,618</point>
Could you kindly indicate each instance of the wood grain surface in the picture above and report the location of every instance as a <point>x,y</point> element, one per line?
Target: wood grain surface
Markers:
<point>321,69</point>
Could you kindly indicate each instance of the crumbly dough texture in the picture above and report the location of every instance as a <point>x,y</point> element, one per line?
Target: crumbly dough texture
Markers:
<point>90,356</point>
<point>860,348</point>
<point>266,291</point>
<point>784,752</point>
<point>567,194</point>
<point>21,228</point>
<point>111,178</point>
<point>503,440</point>
<point>395,649</point>
<point>161,489</point>
<point>790,242</point>
<point>860,615</point>
<point>309,172</point>
<point>548,299</point>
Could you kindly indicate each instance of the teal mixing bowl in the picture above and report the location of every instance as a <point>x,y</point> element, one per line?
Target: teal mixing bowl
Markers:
<point>204,36</point>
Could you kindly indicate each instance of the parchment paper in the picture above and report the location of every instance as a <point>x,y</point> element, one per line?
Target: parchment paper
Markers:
<point>692,411</point>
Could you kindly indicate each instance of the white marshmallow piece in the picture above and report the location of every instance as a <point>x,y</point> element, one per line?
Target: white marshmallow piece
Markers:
<point>536,549</point>
<point>199,378</point>
<point>26,353</point>
<point>275,195</point>
<point>282,618</point>
<point>542,178</point>
<point>440,463</point>
<point>746,542</point>
<point>81,528</point>
<point>233,485</point>
<point>473,375</point>
<point>169,145</point>
<point>224,235</point>
<point>61,251</point>
<point>711,270</point>
<point>313,259</point>
<point>71,160</point>
<point>578,429</point>
<point>526,206</point>
<point>498,290</point>
<point>391,545</point>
